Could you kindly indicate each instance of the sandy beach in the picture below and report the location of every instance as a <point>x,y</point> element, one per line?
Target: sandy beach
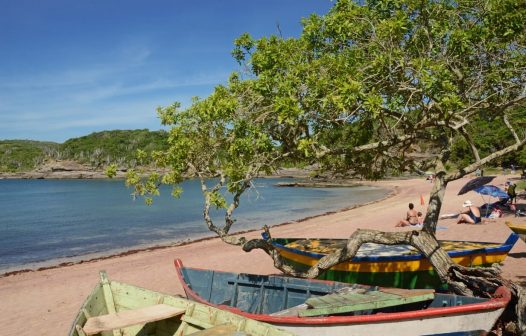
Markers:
<point>46,302</point>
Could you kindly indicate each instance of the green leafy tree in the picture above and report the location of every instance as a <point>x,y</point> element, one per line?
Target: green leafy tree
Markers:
<point>360,92</point>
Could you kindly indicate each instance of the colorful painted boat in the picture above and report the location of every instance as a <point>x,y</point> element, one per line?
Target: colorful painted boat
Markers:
<point>115,308</point>
<point>389,266</point>
<point>319,307</point>
<point>519,229</point>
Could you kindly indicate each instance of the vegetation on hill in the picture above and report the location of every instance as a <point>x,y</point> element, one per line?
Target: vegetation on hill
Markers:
<point>120,146</point>
<point>102,148</point>
<point>96,149</point>
<point>24,155</point>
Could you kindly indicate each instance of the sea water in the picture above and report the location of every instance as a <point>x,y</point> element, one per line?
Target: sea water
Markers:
<point>47,222</point>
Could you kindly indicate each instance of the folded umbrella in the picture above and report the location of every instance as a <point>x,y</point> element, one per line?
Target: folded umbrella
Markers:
<point>475,183</point>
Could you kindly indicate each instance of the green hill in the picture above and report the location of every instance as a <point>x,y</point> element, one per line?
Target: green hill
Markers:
<point>96,149</point>
<point>120,146</point>
<point>24,155</point>
<point>102,148</point>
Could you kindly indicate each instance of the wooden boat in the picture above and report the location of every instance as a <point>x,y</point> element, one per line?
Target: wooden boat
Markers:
<point>115,308</point>
<point>319,307</point>
<point>390,266</point>
<point>519,229</point>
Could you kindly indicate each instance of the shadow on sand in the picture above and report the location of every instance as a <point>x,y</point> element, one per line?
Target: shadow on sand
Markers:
<point>517,255</point>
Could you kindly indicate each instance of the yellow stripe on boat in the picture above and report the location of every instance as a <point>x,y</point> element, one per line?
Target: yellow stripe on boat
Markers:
<point>327,246</point>
<point>395,266</point>
<point>517,228</point>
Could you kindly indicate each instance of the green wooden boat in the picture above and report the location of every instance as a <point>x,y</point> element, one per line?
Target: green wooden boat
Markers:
<point>400,266</point>
<point>119,309</point>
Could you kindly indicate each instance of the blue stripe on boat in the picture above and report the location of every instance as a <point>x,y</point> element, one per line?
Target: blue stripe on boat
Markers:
<point>505,247</point>
<point>462,333</point>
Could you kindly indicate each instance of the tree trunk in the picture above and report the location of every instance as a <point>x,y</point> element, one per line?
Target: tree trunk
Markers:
<point>435,203</point>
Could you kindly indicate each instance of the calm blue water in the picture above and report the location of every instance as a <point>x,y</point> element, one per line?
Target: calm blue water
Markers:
<point>45,222</point>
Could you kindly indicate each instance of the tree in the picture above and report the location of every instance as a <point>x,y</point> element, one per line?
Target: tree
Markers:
<point>361,92</point>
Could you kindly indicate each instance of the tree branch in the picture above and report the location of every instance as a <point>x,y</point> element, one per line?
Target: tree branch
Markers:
<point>471,143</point>
<point>510,127</point>
<point>472,167</point>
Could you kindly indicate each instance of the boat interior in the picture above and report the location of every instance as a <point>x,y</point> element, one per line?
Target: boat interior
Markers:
<point>117,309</point>
<point>260,294</point>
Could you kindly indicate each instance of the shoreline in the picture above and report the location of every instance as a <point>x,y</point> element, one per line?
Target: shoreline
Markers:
<point>58,170</point>
<point>78,260</point>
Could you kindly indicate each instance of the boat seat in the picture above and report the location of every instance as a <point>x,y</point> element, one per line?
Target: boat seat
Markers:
<point>126,318</point>
<point>292,311</point>
<point>222,329</point>
<point>348,300</point>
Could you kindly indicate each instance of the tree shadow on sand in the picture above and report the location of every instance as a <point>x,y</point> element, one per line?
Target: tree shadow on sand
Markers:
<point>517,255</point>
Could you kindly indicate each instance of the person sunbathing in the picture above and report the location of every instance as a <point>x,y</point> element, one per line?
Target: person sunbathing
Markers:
<point>470,214</point>
<point>411,217</point>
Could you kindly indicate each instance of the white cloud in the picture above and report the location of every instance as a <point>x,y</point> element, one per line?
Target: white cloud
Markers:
<point>115,90</point>
<point>122,93</point>
<point>65,123</point>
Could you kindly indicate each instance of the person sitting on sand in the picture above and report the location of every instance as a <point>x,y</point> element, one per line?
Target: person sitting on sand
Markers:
<point>470,214</point>
<point>411,217</point>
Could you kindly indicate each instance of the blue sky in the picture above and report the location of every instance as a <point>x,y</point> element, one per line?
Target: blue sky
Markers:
<point>72,67</point>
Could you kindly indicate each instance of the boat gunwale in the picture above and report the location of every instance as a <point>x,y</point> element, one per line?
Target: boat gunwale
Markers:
<point>500,300</point>
<point>517,228</point>
<point>501,249</point>
<point>83,306</point>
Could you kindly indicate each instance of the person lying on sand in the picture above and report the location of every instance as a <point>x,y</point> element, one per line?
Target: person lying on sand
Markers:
<point>470,214</point>
<point>411,217</point>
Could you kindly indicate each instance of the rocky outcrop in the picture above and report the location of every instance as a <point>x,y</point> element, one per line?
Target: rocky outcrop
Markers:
<point>64,169</point>
<point>62,166</point>
<point>61,170</point>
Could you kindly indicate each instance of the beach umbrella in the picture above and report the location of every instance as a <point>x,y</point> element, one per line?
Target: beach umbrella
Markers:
<point>491,191</point>
<point>475,183</point>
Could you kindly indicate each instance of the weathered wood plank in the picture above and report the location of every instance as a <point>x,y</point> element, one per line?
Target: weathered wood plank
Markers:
<point>351,301</point>
<point>127,318</point>
<point>197,322</point>
<point>108,296</point>
<point>292,311</point>
<point>222,329</point>
<point>407,292</point>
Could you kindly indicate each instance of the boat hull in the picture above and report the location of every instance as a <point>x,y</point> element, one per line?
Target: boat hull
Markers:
<point>465,324</point>
<point>392,270</point>
<point>401,274</point>
<point>265,298</point>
